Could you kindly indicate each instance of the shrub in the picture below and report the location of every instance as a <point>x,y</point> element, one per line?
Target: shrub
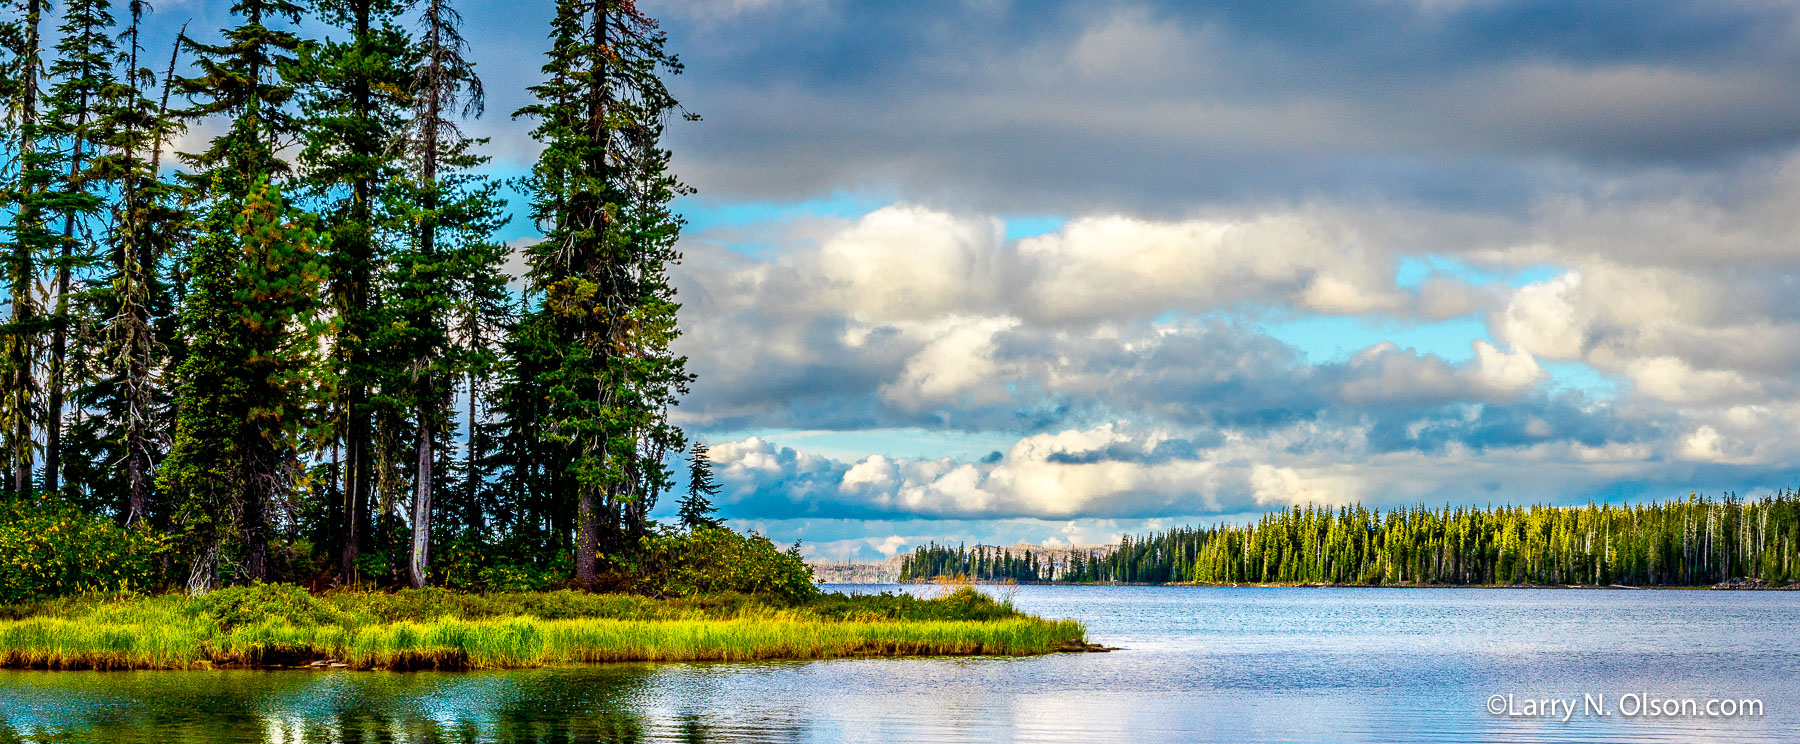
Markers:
<point>50,548</point>
<point>469,563</point>
<point>712,560</point>
<point>265,604</point>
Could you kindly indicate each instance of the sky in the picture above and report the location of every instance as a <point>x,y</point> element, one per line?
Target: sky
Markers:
<point>1002,271</point>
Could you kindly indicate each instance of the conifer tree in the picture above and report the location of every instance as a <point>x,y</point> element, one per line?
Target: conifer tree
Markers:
<point>30,238</point>
<point>83,75</point>
<point>529,490</point>
<point>356,104</point>
<point>448,213</point>
<point>253,277</point>
<point>697,509</point>
<point>117,444</point>
<point>601,192</point>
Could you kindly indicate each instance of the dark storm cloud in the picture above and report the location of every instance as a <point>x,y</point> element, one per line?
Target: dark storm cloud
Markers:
<point>1151,107</point>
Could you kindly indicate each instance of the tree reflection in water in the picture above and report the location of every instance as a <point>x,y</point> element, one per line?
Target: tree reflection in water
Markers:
<point>596,704</point>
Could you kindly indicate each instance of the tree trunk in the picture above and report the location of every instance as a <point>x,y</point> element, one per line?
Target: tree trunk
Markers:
<point>59,335</point>
<point>425,408</point>
<point>421,521</point>
<point>355,512</point>
<point>137,454</point>
<point>357,518</point>
<point>256,533</point>
<point>203,569</point>
<point>587,535</point>
<point>471,476</point>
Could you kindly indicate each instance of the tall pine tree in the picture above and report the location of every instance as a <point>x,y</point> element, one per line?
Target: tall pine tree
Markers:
<point>356,105</point>
<point>601,192</point>
<point>449,214</point>
<point>115,447</point>
<point>83,73</point>
<point>21,337</point>
<point>254,274</point>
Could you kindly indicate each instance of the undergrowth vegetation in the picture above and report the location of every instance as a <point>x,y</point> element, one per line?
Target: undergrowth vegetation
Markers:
<point>49,547</point>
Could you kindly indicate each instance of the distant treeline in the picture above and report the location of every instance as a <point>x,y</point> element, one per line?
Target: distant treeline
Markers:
<point>982,563</point>
<point>1695,542</point>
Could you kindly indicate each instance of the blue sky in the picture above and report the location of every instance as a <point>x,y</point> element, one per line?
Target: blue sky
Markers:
<point>1054,271</point>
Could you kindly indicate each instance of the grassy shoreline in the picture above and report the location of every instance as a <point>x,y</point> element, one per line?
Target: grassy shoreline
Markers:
<point>442,630</point>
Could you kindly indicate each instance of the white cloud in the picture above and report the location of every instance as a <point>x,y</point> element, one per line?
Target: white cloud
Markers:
<point>1281,487</point>
<point>1542,319</point>
<point>1117,267</point>
<point>910,316</point>
<point>1501,373</point>
<point>955,364</point>
<point>1706,444</point>
<point>1386,373</point>
<point>1671,379</point>
<point>1116,471</point>
<point>910,263</point>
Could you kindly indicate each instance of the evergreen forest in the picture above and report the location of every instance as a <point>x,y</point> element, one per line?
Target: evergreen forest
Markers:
<point>1694,542</point>
<point>256,325</point>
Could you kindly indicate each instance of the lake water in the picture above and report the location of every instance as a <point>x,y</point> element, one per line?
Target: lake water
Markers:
<point>1199,664</point>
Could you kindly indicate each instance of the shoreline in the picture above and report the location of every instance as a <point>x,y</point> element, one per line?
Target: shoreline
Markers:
<point>524,643</point>
<point>283,627</point>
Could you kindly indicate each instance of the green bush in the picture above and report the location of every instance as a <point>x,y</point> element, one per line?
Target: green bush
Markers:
<point>266,604</point>
<point>468,563</point>
<point>712,560</point>
<point>50,548</point>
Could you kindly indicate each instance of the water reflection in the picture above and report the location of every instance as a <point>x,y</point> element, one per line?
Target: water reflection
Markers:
<point>587,705</point>
<point>1200,665</point>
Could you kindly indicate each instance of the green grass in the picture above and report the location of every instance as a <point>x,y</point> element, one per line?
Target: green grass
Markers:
<point>443,630</point>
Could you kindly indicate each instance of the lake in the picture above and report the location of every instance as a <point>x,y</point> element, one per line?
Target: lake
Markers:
<point>1198,664</point>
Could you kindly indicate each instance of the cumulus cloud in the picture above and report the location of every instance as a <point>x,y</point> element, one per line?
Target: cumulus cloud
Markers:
<point>956,366</point>
<point>1679,336</point>
<point>1113,266</point>
<point>1283,487</point>
<point>910,263</point>
<point>1542,319</point>
<point>917,316</point>
<point>1045,475</point>
<point>1118,319</point>
<point>1120,470</point>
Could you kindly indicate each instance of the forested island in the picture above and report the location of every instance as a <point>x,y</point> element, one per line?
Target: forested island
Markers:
<point>259,336</point>
<point>1695,542</point>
